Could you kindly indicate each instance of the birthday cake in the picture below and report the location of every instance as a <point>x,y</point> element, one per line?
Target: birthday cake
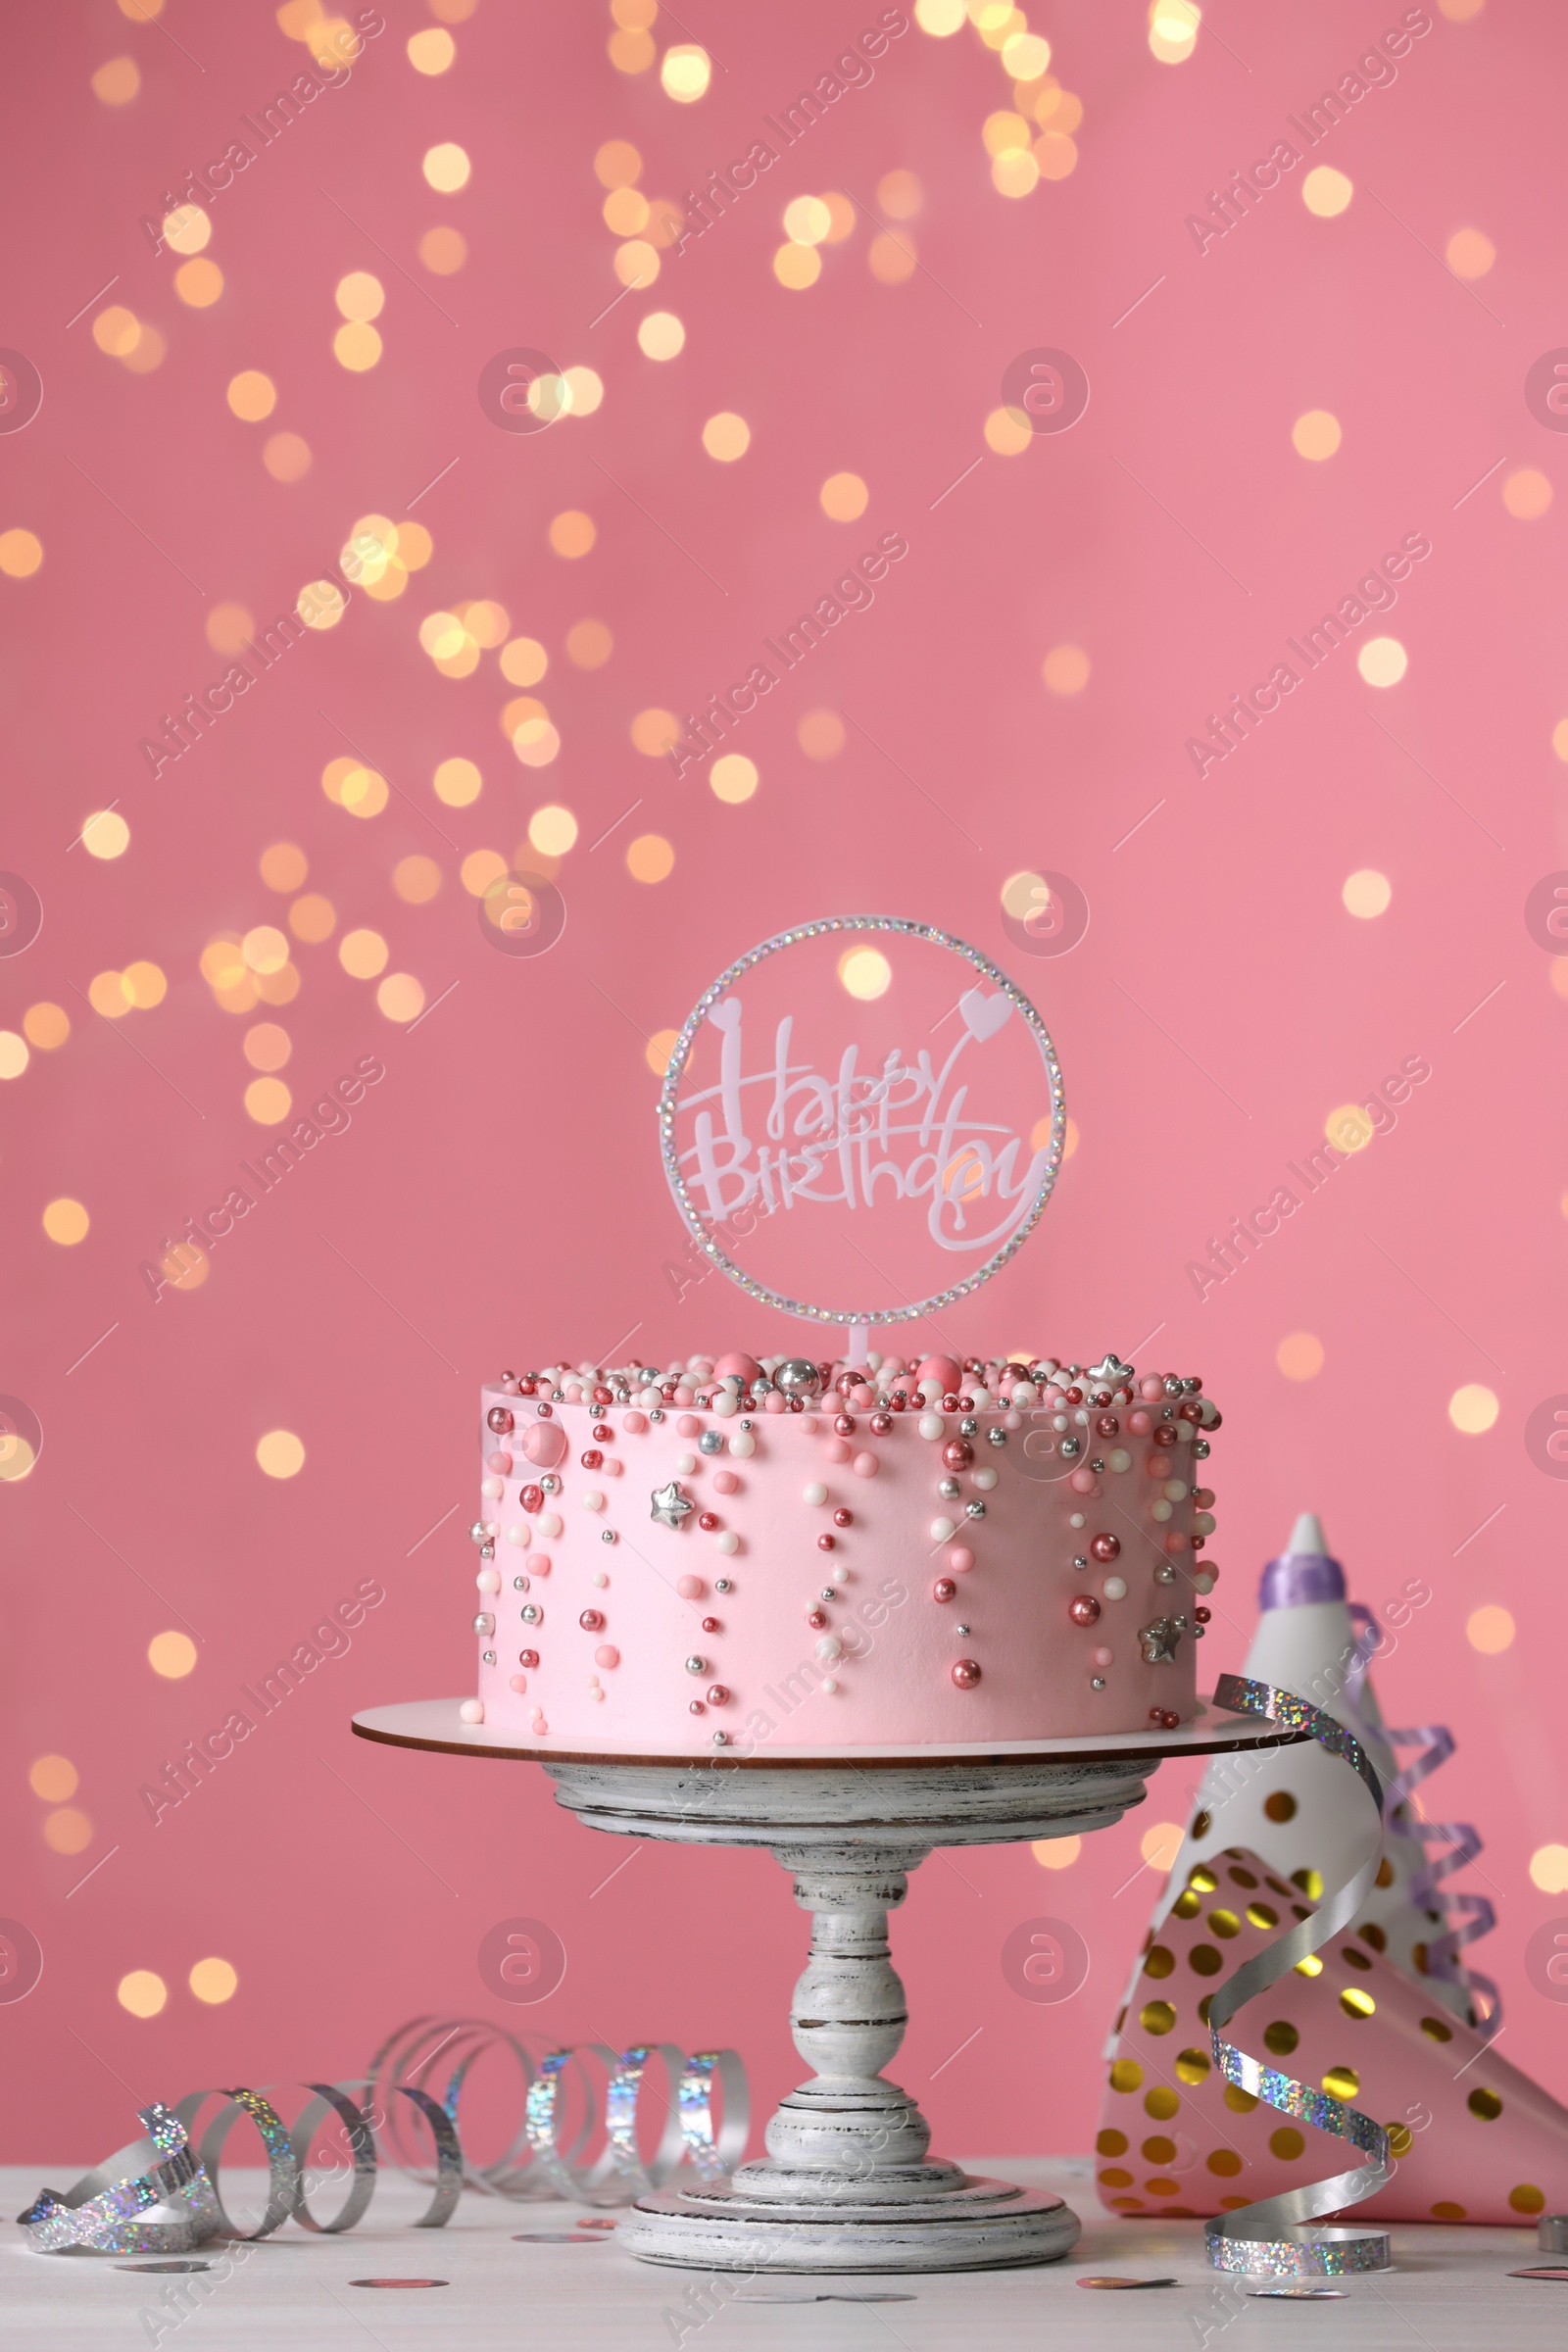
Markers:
<point>779,1554</point>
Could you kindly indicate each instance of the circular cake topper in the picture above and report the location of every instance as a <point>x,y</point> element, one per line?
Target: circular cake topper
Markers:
<point>866,1106</point>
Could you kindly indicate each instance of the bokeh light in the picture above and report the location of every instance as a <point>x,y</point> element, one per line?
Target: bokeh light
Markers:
<point>280,1453</point>
<point>1470,253</point>
<point>1065,669</point>
<point>55,1778</point>
<point>1326,192</point>
<point>400,997</point>
<point>820,734</point>
<point>726,436</point>
<point>313,918</point>
<point>447,168</point>
<point>117,82</point>
<point>843,497</point>
<point>652,731</point>
<point>1383,660</point>
<point>1366,892</point>
<point>14,1054</point>
<point>65,1221</point>
<point>589,644</point>
<point>1161,1843</point>
<point>733,777</point>
<point>1489,1630</point>
<point>363,954</point>
<point>658,1048</point>
<point>685,72</point>
<point>198,284</point>
<point>268,1046</point>
<point>21,554</point>
<point>252,395</point>
<point>106,834</point>
<point>67,1832</point>
<point>283,866</point>
<point>552,830</point>
<point>416,880</point>
<point>431,51</point>
<point>143,1992</point>
<point>1548,1869</point>
<point>864,973</point>
<point>1526,494</point>
<point>796,266</point>
<point>46,1026</point>
<point>443,251</point>
<point>267,1101</point>
<point>650,857</point>
<point>1056,1854</point>
<point>1473,1408</point>
<point>572,533</point>
<point>661,335</point>
<point>229,628</point>
<point>1315,434</point>
<point>1300,1356</point>
<point>171,1654</point>
<point>457,782</point>
<point>214,1981</point>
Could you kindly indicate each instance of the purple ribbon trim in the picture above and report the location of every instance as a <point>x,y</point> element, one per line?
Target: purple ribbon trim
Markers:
<point>1299,1576</point>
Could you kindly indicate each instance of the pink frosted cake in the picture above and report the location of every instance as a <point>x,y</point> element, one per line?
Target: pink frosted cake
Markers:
<point>779,1555</point>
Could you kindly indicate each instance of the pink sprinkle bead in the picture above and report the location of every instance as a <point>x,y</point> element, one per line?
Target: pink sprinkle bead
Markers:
<point>809,1424</point>
<point>1082,1482</point>
<point>1138,1423</point>
<point>862,1399</point>
<point>773,1402</point>
<point>544,1445</point>
<point>690,1587</point>
<point>472,1710</point>
<point>738,1367</point>
<point>520,1683</point>
<point>1150,1389</point>
<point>961,1559</point>
<point>634,1423</point>
<point>836,1449</point>
<point>685,1395</point>
<point>1176,1545</point>
<point>498,1463</point>
<point>538,1563</point>
<point>689,1426</point>
<point>1103,1656</point>
<point>726,1481</point>
<point>607,1654</point>
<point>574,1391</point>
<point>866,1465</point>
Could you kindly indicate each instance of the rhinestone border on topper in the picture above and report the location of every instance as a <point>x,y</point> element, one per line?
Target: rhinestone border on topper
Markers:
<point>682,1046</point>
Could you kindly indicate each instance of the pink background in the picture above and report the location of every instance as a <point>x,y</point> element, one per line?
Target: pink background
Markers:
<point>498,1198</point>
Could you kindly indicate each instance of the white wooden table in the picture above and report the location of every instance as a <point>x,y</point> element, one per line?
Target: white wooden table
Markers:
<point>1449,2292</point>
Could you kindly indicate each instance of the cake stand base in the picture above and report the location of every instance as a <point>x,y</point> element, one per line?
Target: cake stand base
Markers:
<point>846,2184</point>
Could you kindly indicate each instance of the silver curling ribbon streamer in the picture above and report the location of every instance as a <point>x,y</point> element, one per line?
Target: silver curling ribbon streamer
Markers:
<point>362,2150</point>
<point>620,2119</point>
<point>104,2211</point>
<point>715,2156</point>
<point>1273,2237</point>
<point>282,2166</point>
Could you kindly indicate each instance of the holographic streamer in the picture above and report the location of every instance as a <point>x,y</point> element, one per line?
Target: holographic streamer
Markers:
<point>160,2174</point>
<point>282,2167</point>
<point>1273,2237</point>
<point>714,2157</point>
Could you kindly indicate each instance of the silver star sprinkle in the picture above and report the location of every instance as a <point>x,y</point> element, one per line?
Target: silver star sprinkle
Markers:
<point>1159,1640</point>
<point>671,1504</point>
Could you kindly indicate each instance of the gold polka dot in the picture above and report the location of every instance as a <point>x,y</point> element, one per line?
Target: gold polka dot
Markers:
<point>1156,2017</point>
<point>1200,1877</point>
<point>1281,2037</point>
<point>1310,1881</point>
<point>1188,1904</point>
<point>1192,2066</point>
<point>1158,1961</point>
<point>1486,2104</point>
<point>1125,2074</point>
<point>1110,2143</point>
<point>1526,2198</point>
<point>1225,2162</point>
<point>1161,2104</point>
<point>1446,2211</point>
<point>1204,1960</point>
<point>1400,2139</point>
<point>1287,2142</point>
<point>1342,2083</point>
<point>1224,1924</point>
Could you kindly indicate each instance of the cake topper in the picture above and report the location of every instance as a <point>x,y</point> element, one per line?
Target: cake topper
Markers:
<point>863,1106</point>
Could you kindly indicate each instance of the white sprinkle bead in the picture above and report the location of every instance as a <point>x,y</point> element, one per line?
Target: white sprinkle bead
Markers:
<point>727,1541</point>
<point>595,1692</point>
<point>942,1531</point>
<point>685,1464</point>
<point>815,1493</point>
<point>593,1499</point>
<point>488,1579</point>
<point>491,1488</point>
<point>930,1391</point>
<point>548,1524</point>
<point>840,1574</point>
<point>518,1533</point>
<point>830,1647</point>
<point>1114,1588</point>
<point>1203,1584</point>
<point>830,1687</point>
<point>981,1396</point>
<point>1203,1523</point>
<point>1160,1510</point>
<point>648,1399</point>
<point>1077,1519</point>
<point>743,1444</point>
<point>1024,1392</point>
<point>1118,1458</point>
<point>932,1424</point>
<point>1175,1490</point>
<point>724,1403</point>
<point>985,1480</point>
<point>471,1710</point>
<point>600,1579</point>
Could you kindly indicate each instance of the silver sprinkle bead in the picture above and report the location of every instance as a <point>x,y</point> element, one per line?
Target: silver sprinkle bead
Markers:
<point>484,1623</point>
<point>550,1483</point>
<point>488,1549</point>
<point>948,1489</point>
<point>722,1583</point>
<point>533,1614</point>
<point>711,1441</point>
<point>974,1510</point>
<point>968,1429</point>
<point>1164,1574</point>
<point>489,1657</point>
<point>1071,1446</point>
<point>997,1436</point>
<point>963,1631</point>
<point>1097,1682</point>
<point>520,1584</point>
<point>721,1739</point>
<point>607,1535</point>
<point>655,1412</point>
<point>696,1665</point>
<point>1080,1561</point>
<point>829,1592</point>
<point>477,1533</point>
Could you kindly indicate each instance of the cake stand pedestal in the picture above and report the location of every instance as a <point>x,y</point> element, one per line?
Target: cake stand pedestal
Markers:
<point>847,2184</point>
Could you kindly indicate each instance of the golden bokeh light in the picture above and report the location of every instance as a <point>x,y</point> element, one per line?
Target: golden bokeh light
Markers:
<point>864,973</point>
<point>46,1026</point>
<point>356,346</point>
<point>654,731</point>
<point>589,644</point>
<point>416,546</point>
<point>264,947</point>
<point>313,919</point>
<point>625,212</point>
<point>685,72</point>
<point>585,391</point>
<point>479,870</point>
<point>1326,192</point>
<point>1489,1630</point>
<point>571,533</point>
<point>820,734</point>
<point>65,1221</point>
<point>416,880</point>
<point>843,497</point>
<point>1473,1408</point>
<point>1008,432</point>
<point>14,1054</point>
<point>117,330</point>
<point>796,266</point>
<point>487,623</point>
<point>171,1654</point>
<point>618,164</point>
<point>108,993</point>
<point>1315,434</point>
<point>552,830</point>
<point>54,1779</point>
<point>806,220</point>
<point>229,628</point>
<point>443,251</point>
<point>658,1048</point>
<point>283,866</point>
<point>280,1453</point>
<point>144,984</point>
<point>198,284</point>
<point>1025,55</point>
<point>1173,30</point>
<point>1349,1128</point>
<point>1366,892</point>
<point>650,857</point>
<point>1548,1869</point>
<point>1065,669</point>
<point>1056,1854</point>
<point>359,294</point>
<point>637,262</point>
<point>67,1832</point>
<point>364,791</point>
<point>1383,660</point>
<point>524,661</point>
<point>21,554</point>
<point>891,259</point>
<point>1300,1356</point>
<point>457,782</point>
<point>363,954</point>
<point>445,168</point>
<point>733,777</point>
<point>726,436</point>
<point>187,228</point>
<point>143,1992</point>
<point>400,997</point>
<point>1161,1843</point>
<point>1469,252</point>
<point>900,195</point>
<point>320,603</point>
<point>1526,494</point>
<point>661,335</point>
<point>117,82</point>
<point>631,50</point>
<point>1015,172</point>
<point>252,395</point>
<point>431,51</point>
<point>221,964</point>
<point>267,1101</point>
<point>939,18</point>
<point>287,457</point>
<point>268,1047</point>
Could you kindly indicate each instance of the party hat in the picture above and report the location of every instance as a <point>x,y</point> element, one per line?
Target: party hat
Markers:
<point>1471,2138</point>
<point>1297,1806</point>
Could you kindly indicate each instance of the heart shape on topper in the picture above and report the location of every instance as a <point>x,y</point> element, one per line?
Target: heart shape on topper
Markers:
<point>725,1014</point>
<point>984,1015</point>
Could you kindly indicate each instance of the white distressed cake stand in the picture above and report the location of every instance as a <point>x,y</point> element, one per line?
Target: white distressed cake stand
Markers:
<point>846,2184</point>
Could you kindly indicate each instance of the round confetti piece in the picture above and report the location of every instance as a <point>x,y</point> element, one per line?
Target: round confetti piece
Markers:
<point>1296,2294</point>
<point>551,2238</point>
<point>1110,2281</point>
<point>162,2266</point>
<point>1555,2275</point>
<point>400,2283</point>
